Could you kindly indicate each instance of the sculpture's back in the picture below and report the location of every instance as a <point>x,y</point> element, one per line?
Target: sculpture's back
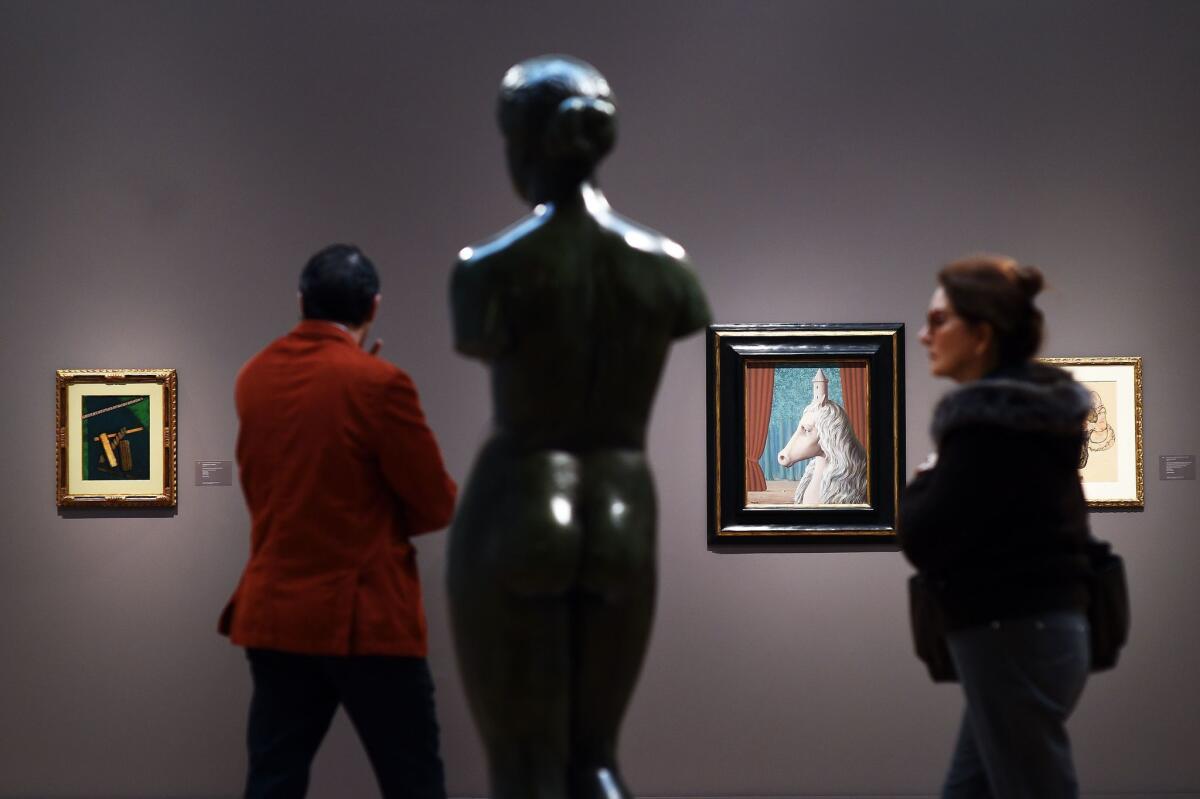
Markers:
<point>552,553</point>
<point>575,324</point>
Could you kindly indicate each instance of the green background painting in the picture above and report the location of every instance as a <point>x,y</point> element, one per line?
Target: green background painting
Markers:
<point>137,414</point>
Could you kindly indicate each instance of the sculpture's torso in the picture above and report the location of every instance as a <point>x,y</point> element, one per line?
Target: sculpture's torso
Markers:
<point>574,312</point>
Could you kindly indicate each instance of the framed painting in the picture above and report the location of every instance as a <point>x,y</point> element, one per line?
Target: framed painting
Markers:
<point>1110,460</point>
<point>805,435</point>
<point>115,438</point>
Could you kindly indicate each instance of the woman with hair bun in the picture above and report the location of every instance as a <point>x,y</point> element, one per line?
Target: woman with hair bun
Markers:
<point>552,553</point>
<point>996,523</point>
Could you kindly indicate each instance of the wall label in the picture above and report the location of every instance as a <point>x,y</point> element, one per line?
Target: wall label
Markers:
<point>1176,467</point>
<point>214,473</point>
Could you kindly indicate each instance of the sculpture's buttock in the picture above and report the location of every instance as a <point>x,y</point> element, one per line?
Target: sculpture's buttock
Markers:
<point>547,523</point>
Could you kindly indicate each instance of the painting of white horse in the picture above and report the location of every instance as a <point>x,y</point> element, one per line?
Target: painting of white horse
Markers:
<point>837,463</point>
<point>813,452</point>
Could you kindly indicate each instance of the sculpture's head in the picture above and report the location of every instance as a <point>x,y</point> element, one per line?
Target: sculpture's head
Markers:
<point>559,119</point>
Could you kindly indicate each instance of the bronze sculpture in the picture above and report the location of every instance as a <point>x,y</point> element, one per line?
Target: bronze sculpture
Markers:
<point>552,554</point>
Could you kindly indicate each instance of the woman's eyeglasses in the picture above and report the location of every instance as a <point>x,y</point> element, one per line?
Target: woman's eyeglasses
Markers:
<point>935,319</point>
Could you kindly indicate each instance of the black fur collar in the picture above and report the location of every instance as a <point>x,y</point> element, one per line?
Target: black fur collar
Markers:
<point>1034,399</point>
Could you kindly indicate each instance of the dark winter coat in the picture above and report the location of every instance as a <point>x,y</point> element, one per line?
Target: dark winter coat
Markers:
<point>999,525</point>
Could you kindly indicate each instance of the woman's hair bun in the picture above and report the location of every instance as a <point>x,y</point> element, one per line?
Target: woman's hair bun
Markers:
<point>583,128</point>
<point>1029,279</point>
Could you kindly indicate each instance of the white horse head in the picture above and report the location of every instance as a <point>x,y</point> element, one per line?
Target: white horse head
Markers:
<point>825,430</point>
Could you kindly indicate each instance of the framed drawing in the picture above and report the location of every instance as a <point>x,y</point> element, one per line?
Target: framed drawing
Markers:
<point>115,438</point>
<point>1110,462</point>
<point>805,434</point>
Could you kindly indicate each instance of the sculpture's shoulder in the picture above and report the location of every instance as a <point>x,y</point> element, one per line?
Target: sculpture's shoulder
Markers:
<point>670,260</point>
<point>477,286</point>
<point>640,238</point>
<point>496,250</point>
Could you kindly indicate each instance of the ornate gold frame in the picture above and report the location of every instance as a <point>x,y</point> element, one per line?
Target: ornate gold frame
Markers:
<point>1137,498</point>
<point>64,379</point>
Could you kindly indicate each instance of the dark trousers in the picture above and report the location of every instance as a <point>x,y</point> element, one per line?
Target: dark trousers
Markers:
<point>1022,678</point>
<point>389,701</point>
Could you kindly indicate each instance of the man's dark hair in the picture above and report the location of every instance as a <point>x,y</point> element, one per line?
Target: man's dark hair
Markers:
<point>339,284</point>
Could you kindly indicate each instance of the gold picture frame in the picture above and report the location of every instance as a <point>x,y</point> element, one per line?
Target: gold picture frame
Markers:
<point>115,438</point>
<point>1111,462</point>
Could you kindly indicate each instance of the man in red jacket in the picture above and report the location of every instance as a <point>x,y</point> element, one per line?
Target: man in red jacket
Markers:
<point>339,470</point>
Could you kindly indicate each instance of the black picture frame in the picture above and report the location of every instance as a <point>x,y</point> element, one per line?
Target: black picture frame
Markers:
<point>742,519</point>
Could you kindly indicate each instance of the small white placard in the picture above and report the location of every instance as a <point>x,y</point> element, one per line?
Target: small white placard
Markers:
<point>1176,467</point>
<point>214,473</point>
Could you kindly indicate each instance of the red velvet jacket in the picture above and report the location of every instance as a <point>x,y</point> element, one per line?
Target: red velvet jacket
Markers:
<point>339,469</point>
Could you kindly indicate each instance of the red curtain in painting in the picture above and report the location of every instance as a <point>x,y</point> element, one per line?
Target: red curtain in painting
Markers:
<point>760,388</point>
<point>854,399</point>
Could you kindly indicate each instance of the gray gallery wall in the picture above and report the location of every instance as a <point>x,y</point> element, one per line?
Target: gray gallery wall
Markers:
<point>165,169</point>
